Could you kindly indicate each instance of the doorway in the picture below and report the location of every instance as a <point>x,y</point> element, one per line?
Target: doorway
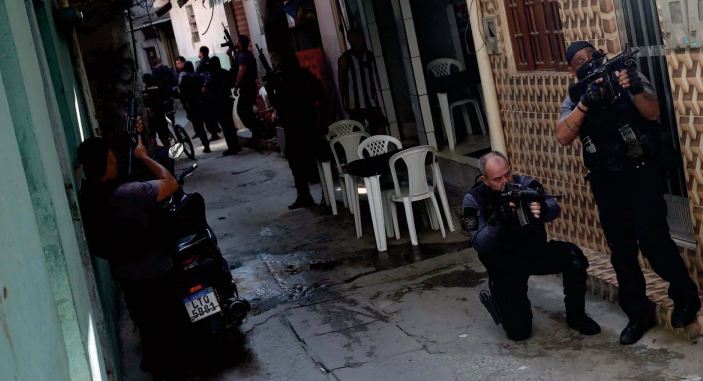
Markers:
<point>638,22</point>
<point>408,45</point>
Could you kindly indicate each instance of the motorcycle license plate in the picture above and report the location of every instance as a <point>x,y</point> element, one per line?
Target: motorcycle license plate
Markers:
<point>202,304</point>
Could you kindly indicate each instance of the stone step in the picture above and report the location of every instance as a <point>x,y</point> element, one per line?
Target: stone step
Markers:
<point>603,282</point>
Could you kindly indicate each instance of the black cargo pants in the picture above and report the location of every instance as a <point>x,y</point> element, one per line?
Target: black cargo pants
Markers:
<point>633,215</point>
<point>508,273</point>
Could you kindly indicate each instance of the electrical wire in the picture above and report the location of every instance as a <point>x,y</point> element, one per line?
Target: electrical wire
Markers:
<point>466,32</point>
<point>212,15</point>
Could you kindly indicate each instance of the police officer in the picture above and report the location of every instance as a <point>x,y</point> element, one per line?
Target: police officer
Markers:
<point>511,252</point>
<point>622,151</point>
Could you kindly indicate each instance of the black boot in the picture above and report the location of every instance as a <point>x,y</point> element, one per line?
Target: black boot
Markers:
<point>636,329</point>
<point>583,323</point>
<point>303,201</point>
<point>684,314</point>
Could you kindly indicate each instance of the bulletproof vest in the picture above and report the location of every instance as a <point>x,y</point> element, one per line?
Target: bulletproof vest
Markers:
<point>617,137</point>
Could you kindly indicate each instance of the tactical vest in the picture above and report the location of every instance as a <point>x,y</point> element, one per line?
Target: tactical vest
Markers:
<point>617,137</point>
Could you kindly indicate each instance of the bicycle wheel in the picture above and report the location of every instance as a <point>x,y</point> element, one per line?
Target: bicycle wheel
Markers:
<point>185,140</point>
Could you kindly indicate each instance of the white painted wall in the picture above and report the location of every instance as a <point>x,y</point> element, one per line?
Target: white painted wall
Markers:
<point>331,45</point>
<point>142,59</point>
<point>255,29</point>
<point>212,38</point>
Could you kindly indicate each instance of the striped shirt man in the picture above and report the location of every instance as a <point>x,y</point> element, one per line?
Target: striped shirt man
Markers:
<point>358,80</point>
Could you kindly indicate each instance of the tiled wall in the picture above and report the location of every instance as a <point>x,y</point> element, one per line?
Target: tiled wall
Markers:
<point>685,67</point>
<point>529,106</point>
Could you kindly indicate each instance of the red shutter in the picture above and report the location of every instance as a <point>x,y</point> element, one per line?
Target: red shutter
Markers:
<point>536,32</point>
<point>521,44</point>
<point>554,34</point>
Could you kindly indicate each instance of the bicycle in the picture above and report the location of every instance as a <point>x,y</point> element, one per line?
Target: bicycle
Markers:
<point>180,141</point>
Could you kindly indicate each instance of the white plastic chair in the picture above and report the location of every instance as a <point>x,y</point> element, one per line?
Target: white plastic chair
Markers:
<point>418,188</point>
<point>374,146</point>
<point>349,144</point>
<point>343,127</point>
<point>324,169</point>
<point>442,67</point>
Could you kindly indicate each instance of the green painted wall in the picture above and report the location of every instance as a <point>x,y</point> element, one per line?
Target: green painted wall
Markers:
<point>50,316</point>
<point>27,309</point>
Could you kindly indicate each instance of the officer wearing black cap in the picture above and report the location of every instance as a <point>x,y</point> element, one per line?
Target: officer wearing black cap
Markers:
<point>244,67</point>
<point>622,151</point>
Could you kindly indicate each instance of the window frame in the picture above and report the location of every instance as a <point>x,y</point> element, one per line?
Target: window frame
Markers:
<point>536,34</point>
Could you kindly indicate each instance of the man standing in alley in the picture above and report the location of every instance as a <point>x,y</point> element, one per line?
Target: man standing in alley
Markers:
<point>300,102</point>
<point>219,104</point>
<point>622,150</point>
<point>244,67</point>
<point>358,84</point>
<point>512,251</point>
<point>204,57</point>
<point>191,90</point>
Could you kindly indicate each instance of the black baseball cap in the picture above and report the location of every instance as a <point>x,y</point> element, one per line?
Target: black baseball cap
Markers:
<point>574,47</point>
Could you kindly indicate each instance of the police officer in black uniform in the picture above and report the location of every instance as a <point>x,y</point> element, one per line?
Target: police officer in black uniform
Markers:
<point>512,252</point>
<point>622,150</point>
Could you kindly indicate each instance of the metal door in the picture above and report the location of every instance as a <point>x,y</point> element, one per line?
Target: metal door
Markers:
<point>639,26</point>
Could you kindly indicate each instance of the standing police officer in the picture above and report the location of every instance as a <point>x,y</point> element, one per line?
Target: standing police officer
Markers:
<point>511,252</point>
<point>622,151</point>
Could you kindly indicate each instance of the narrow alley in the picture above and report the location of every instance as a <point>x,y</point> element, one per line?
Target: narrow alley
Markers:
<point>327,306</point>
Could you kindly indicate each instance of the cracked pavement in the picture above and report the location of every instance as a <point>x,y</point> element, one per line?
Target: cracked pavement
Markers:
<point>327,306</point>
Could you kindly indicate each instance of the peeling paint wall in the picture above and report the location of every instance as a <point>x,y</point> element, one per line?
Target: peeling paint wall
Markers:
<point>50,315</point>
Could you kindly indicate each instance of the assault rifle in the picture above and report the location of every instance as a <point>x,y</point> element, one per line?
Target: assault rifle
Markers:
<point>131,122</point>
<point>522,198</point>
<point>228,39</point>
<point>602,67</point>
<point>264,62</point>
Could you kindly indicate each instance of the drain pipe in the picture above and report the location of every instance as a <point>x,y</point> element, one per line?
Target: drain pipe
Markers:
<point>490,98</point>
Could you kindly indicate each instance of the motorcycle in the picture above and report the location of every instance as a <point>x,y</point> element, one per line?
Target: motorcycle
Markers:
<point>204,283</point>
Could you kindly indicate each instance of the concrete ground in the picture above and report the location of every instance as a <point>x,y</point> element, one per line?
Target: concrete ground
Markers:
<point>327,306</point>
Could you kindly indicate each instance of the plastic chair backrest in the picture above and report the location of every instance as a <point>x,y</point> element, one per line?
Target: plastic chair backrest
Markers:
<point>415,160</point>
<point>442,67</point>
<point>350,146</point>
<point>377,145</point>
<point>343,127</point>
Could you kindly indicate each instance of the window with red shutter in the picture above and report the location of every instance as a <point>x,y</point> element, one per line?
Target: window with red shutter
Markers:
<point>536,34</point>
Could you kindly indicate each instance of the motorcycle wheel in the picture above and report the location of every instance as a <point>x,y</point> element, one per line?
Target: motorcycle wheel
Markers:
<point>183,137</point>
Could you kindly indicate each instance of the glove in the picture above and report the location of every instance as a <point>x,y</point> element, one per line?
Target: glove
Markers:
<point>636,85</point>
<point>593,96</point>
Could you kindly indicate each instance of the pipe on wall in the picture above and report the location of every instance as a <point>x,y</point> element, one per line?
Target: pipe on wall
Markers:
<point>490,97</point>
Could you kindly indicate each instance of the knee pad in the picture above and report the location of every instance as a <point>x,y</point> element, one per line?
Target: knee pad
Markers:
<point>578,259</point>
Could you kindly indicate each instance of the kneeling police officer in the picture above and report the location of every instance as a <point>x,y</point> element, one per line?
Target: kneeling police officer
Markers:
<point>623,152</point>
<point>512,251</point>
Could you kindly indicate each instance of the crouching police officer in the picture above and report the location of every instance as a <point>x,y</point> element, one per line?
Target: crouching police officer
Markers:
<point>511,252</point>
<point>622,151</point>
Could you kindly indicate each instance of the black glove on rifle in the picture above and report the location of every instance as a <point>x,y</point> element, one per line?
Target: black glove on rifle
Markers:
<point>636,85</point>
<point>593,96</point>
